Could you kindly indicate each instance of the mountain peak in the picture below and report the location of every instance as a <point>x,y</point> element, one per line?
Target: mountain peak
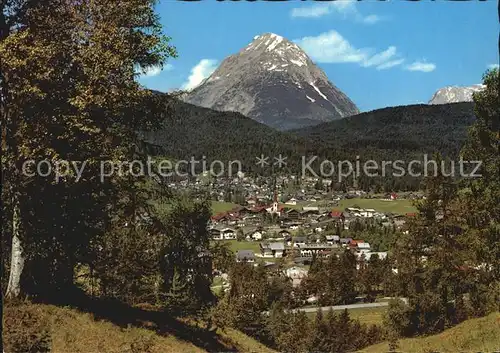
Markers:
<point>272,43</point>
<point>269,36</point>
<point>455,94</point>
<point>273,81</point>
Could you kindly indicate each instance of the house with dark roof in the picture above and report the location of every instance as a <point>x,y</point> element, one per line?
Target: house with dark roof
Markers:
<point>292,214</point>
<point>272,249</point>
<point>245,256</point>
<point>345,241</point>
<point>332,239</point>
<point>297,241</point>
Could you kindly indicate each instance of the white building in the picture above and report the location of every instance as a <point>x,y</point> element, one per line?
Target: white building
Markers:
<point>296,274</point>
<point>228,234</point>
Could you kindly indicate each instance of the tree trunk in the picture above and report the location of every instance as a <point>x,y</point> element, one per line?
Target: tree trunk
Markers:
<point>17,254</point>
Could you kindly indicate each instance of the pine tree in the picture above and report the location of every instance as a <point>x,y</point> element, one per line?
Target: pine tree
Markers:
<point>346,277</point>
<point>334,331</point>
<point>177,297</point>
<point>278,322</point>
<point>320,332</point>
<point>298,338</point>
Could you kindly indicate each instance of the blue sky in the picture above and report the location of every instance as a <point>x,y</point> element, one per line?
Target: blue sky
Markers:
<point>379,53</point>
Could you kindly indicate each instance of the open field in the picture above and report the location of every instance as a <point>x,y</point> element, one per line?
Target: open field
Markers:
<point>235,245</point>
<point>476,335</point>
<point>369,316</point>
<point>395,206</point>
<point>218,206</point>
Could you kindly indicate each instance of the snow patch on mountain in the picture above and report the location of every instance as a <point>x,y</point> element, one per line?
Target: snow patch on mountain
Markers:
<point>317,90</point>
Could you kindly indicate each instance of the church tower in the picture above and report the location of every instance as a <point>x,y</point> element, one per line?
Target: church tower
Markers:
<point>275,209</point>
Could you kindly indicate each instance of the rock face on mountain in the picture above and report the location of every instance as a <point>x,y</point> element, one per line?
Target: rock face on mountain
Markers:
<point>274,82</point>
<point>455,94</point>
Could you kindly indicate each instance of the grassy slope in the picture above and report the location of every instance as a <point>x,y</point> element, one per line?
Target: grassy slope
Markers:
<point>476,335</point>
<point>74,331</point>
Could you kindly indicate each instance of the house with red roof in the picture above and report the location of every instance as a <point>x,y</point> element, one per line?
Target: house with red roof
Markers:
<point>337,214</point>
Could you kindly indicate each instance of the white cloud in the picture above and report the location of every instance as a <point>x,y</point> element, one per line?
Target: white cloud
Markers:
<point>493,66</point>
<point>380,58</point>
<point>310,12</point>
<point>330,47</point>
<point>345,8</point>
<point>200,72</point>
<point>421,66</point>
<point>390,64</point>
<point>371,19</point>
<point>153,71</point>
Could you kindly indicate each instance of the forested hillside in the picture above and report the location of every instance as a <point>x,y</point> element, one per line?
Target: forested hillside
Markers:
<point>192,131</point>
<point>405,132</point>
<point>397,131</point>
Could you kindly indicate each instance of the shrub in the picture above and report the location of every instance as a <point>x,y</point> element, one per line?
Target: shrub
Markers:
<point>25,329</point>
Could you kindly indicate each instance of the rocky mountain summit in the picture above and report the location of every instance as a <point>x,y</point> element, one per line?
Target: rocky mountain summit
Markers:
<point>455,94</point>
<point>273,81</point>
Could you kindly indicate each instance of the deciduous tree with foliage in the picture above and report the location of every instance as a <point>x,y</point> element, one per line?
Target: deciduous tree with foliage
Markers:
<point>69,92</point>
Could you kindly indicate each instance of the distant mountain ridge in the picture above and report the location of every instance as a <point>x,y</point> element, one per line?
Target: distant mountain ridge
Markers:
<point>400,131</point>
<point>455,94</point>
<point>274,82</point>
<point>404,132</point>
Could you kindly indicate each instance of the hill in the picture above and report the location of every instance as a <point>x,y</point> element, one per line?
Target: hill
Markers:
<point>192,131</point>
<point>476,335</point>
<point>70,330</point>
<point>400,131</point>
<point>389,134</point>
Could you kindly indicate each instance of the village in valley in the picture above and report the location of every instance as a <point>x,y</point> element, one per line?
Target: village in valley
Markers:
<point>284,223</point>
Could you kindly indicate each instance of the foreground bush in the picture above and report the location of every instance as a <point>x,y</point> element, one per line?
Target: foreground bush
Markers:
<point>26,329</point>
